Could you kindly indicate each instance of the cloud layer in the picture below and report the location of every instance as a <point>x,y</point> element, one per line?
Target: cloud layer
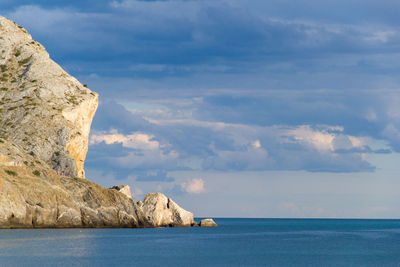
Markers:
<point>224,85</point>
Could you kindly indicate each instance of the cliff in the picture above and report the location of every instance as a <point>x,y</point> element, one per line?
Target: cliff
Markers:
<point>45,118</point>
<point>44,110</point>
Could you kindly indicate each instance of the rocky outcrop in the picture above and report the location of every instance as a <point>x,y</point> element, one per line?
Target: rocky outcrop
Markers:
<point>34,196</point>
<point>208,223</point>
<point>124,189</point>
<point>158,210</point>
<point>43,109</point>
<point>38,197</point>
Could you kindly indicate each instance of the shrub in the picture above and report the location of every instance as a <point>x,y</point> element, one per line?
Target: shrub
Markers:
<point>12,173</point>
<point>24,61</point>
<point>36,172</point>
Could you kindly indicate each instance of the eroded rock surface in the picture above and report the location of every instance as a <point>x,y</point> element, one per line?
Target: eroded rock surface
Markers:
<point>43,110</point>
<point>158,210</point>
<point>124,189</point>
<point>208,223</point>
<point>36,197</point>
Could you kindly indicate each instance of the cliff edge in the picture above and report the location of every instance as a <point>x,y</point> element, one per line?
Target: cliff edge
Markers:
<point>44,110</point>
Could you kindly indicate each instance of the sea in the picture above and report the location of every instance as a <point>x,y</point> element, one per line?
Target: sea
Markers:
<point>235,242</point>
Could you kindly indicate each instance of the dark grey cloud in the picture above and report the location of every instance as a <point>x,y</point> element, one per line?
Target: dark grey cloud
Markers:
<point>184,34</point>
<point>215,77</point>
<point>111,115</point>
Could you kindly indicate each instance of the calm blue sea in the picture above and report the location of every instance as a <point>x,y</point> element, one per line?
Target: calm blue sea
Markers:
<point>236,242</point>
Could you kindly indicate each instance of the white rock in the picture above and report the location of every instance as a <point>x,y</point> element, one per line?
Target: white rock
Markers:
<point>158,210</point>
<point>45,111</point>
<point>208,223</point>
<point>124,189</point>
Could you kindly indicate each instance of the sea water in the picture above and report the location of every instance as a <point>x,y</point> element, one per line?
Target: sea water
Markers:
<point>236,242</point>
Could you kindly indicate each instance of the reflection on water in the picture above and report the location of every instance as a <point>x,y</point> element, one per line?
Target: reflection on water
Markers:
<point>47,242</point>
<point>236,242</point>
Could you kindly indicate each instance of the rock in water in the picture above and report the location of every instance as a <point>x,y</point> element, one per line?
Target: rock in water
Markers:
<point>158,210</point>
<point>208,223</point>
<point>45,111</point>
<point>124,189</point>
<point>45,118</point>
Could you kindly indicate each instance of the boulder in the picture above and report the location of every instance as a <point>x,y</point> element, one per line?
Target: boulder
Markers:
<point>208,223</point>
<point>158,211</point>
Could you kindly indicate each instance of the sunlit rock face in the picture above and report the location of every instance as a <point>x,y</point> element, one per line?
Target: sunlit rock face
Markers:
<point>157,210</point>
<point>44,110</point>
<point>124,189</point>
<point>208,223</point>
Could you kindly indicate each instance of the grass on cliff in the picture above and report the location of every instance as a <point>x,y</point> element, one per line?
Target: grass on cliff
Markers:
<point>12,173</point>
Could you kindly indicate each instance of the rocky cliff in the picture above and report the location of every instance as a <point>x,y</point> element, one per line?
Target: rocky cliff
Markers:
<point>44,110</point>
<point>45,118</point>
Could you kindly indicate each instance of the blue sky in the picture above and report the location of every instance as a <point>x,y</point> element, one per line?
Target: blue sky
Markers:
<point>237,108</point>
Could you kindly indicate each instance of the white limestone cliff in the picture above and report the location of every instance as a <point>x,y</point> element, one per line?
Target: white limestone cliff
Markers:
<point>44,110</point>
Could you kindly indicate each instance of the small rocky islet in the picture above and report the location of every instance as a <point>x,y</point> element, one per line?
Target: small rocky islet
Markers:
<point>45,119</point>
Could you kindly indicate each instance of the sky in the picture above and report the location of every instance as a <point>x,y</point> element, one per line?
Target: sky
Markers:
<point>237,108</point>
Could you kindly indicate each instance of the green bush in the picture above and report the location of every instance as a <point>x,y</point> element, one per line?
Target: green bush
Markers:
<point>12,173</point>
<point>24,61</point>
<point>36,172</point>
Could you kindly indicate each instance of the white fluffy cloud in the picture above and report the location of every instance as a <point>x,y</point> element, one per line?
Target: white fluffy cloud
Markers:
<point>143,151</point>
<point>325,139</point>
<point>194,186</point>
<point>135,140</point>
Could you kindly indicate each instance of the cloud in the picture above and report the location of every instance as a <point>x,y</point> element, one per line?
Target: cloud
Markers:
<point>186,37</point>
<point>188,143</point>
<point>111,115</point>
<point>138,152</point>
<point>151,176</point>
<point>217,85</point>
<point>136,140</point>
<point>194,186</point>
<point>321,140</point>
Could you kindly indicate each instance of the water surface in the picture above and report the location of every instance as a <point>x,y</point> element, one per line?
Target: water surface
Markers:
<point>236,242</point>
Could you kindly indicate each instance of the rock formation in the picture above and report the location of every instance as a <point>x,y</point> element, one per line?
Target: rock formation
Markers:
<point>124,189</point>
<point>158,210</point>
<point>45,118</point>
<point>44,110</point>
<point>208,223</point>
